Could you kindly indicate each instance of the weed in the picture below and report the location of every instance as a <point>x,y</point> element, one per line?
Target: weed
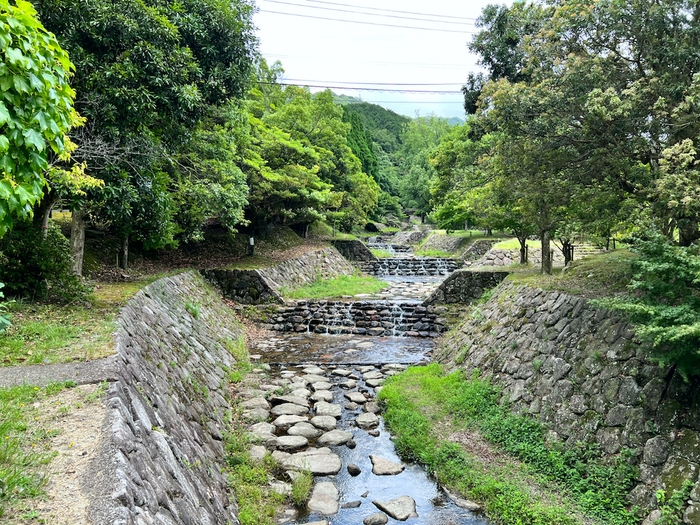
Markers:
<point>194,308</point>
<point>672,508</point>
<point>537,364</point>
<point>301,488</point>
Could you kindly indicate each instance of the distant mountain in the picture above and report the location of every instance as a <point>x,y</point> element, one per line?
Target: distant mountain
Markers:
<point>384,125</point>
<point>455,121</point>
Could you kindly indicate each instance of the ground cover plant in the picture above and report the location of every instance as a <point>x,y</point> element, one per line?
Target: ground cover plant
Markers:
<point>337,287</point>
<point>422,400</point>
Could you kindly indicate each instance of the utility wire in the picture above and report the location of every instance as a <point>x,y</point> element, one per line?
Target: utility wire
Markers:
<point>372,83</point>
<point>394,10</point>
<point>335,9</point>
<point>368,23</point>
<point>440,92</point>
<point>461,67</point>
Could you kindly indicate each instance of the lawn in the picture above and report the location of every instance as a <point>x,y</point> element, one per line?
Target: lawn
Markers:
<point>346,285</point>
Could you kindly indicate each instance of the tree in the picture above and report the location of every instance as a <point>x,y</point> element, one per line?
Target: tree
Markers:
<point>36,109</point>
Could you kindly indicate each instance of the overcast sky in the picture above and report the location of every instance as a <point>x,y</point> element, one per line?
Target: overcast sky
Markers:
<point>316,50</point>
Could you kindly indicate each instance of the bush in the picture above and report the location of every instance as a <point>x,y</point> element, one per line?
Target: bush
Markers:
<point>39,268</point>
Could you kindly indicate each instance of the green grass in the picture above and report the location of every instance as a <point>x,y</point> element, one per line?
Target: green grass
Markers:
<point>301,488</point>
<point>337,287</point>
<point>381,254</point>
<point>22,453</point>
<point>514,244</point>
<point>435,253</point>
<point>421,399</point>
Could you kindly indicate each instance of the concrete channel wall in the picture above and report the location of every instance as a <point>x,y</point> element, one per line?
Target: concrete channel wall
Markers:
<point>169,410</point>
<point>583,373</point>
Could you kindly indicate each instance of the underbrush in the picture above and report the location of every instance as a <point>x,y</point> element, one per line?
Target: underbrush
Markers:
<point>337,287</point>
<point>421,398</point>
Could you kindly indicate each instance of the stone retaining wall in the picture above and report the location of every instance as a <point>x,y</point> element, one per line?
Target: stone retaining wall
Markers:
<point>377,318</point>
<point>464,286</point>
<point>169,410</point>
<point>263,285</point>
<point>582,372</point>
<point>410,237</point>
<point>446,243</point>
<point>477,250</point>
<point>353,250</point>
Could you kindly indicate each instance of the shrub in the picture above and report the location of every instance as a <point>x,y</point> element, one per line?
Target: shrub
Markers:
<point>38,267</point>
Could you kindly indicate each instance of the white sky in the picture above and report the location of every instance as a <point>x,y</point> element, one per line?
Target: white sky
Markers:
<point>335,53</point>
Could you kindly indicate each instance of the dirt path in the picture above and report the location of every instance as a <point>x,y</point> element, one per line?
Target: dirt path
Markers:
<point>82,373</point>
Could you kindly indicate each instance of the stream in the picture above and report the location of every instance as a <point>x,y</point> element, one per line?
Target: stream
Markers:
<point>322,416</point>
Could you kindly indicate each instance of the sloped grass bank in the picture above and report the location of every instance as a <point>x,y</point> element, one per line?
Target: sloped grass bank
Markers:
<point>337,287</point>
<point>520,478</point>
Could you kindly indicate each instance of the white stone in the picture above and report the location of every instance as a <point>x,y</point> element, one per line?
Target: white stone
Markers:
<point>324,499</point>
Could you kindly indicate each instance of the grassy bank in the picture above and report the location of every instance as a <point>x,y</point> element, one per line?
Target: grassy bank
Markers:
<point>456,427</point>
<point>346,285</point>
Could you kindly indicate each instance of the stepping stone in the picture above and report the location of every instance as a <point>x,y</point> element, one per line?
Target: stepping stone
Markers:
<point>300,392</point>
<point>366,368</point>
<point>366,344</point>
<point>322,395</point>
<point>400,508</point>
<point>354,470</point>
<point>324,422</point>
<point>373,433</point>
<point>342,372</point>
<point>324,499</point>
<point>288,443</point>
<point>351,504</point>
<point>372,375</point>
<point>286,421</point>
<point>301,401</point>
<point>372,407</point>
<point>378,518</point>
<point>262,430</point>
<point>356,397</point>
<point>319,464</point>
<point>384,467</point>
<point>378,389</point>
<point>304,429</point>
<point>334,438</point>
<point>349,384</point>
<point>374,382</point>
<point>312,378</point>
<point>351,406</point>
<point>256,402</point>
<point>280,487</point>
<point>257,452</point>
<point>321,385</point>
<point>314,370</point>
<point>256,414</point>
<point>289,409</point>
<point>366,420</point>
<point>327,409</point>
<point>280,457</point>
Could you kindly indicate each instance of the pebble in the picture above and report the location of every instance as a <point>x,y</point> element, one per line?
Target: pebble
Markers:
<point>354,470</point>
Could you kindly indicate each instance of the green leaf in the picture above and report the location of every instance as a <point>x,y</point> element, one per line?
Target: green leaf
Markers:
<point>33,137</point>
<point>14,55</point>
<point>4,114</point>
<point>4,144</point>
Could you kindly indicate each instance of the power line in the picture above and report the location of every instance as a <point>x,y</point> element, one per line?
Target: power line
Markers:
<point>415,64</point>
<point>394,10</point>
<point>438,92</point>
<point>373,83</point>
<point>368,23</point>
<point>335,9</point>
<point>421,102</point>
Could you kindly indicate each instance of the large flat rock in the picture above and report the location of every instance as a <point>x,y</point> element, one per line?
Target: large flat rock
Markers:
<point>367,420</point>
<point>327,409</point>
<point>356,397</point>
<point>324,499</point>
<point>334,438</point>
<point>319,464</point>
<point>400,508</point>
<point>289,443</point>
<point>324,422</point>
<point>289,409</point>
<point>384,467</point>
<point>305,429</point>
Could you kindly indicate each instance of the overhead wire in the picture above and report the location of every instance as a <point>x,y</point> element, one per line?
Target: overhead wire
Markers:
<point>354,88</point>
<point>393,10</point>
<point>335,9</point>
<point>373,83</point>
<point>368,23</point>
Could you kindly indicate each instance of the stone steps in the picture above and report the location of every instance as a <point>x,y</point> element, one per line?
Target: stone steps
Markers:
<point>411,266</point>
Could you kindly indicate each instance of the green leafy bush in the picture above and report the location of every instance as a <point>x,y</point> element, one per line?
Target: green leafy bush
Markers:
<point>665,301</point>
<point>39,268</point>
<point>4,315</point>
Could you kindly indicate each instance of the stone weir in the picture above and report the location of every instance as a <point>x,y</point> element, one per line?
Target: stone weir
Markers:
<point>410,266</point>
<point>392,248</point>
<point>377,318</point>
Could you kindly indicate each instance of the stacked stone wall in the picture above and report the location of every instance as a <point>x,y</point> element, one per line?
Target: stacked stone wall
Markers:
<point>169,409</point>
<point>353,250</point>
<point>584,374</point>
<point>477,250</point>
<point>263,285</point>
<point>446,243</point>
<point>464,286</point>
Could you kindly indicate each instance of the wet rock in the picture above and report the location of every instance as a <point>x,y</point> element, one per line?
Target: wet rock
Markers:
<point>289,409</point>
<point>324,498</point>
<point>324,422</point>
<point>342,372</point>
<point>316,461</point>
<point>284,422</point>
<point>313,378</point>
<point>378,518</point>
<point>372,407</point>
<point>348,384</point>
<point>373,433</point>
<point>288,443</point>
<point>367,420</point>
<point>351,504</point>
<point>301,401</point>
<point>321,385</point>
<point>334,438</point>
<point>300,392</point>
<point>327,409</point>
<point>354,470</point>
<point>356,397</point>
<point>304,429</point>
<point>374,374</point>
<point>314,370</point>
<point>374,382</point>
<point>322,395</point>
<point>351,406</point>
<point>400,508</point>
<point>384,467</point>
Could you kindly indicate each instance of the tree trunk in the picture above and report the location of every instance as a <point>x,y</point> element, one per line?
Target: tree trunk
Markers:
<point>42,213</point>
<point>77,240</point>
<point>688,232</point>
<point>546,252</point>
<point>523,249</point>
<point>567,249</point>
<point>124,255</point>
